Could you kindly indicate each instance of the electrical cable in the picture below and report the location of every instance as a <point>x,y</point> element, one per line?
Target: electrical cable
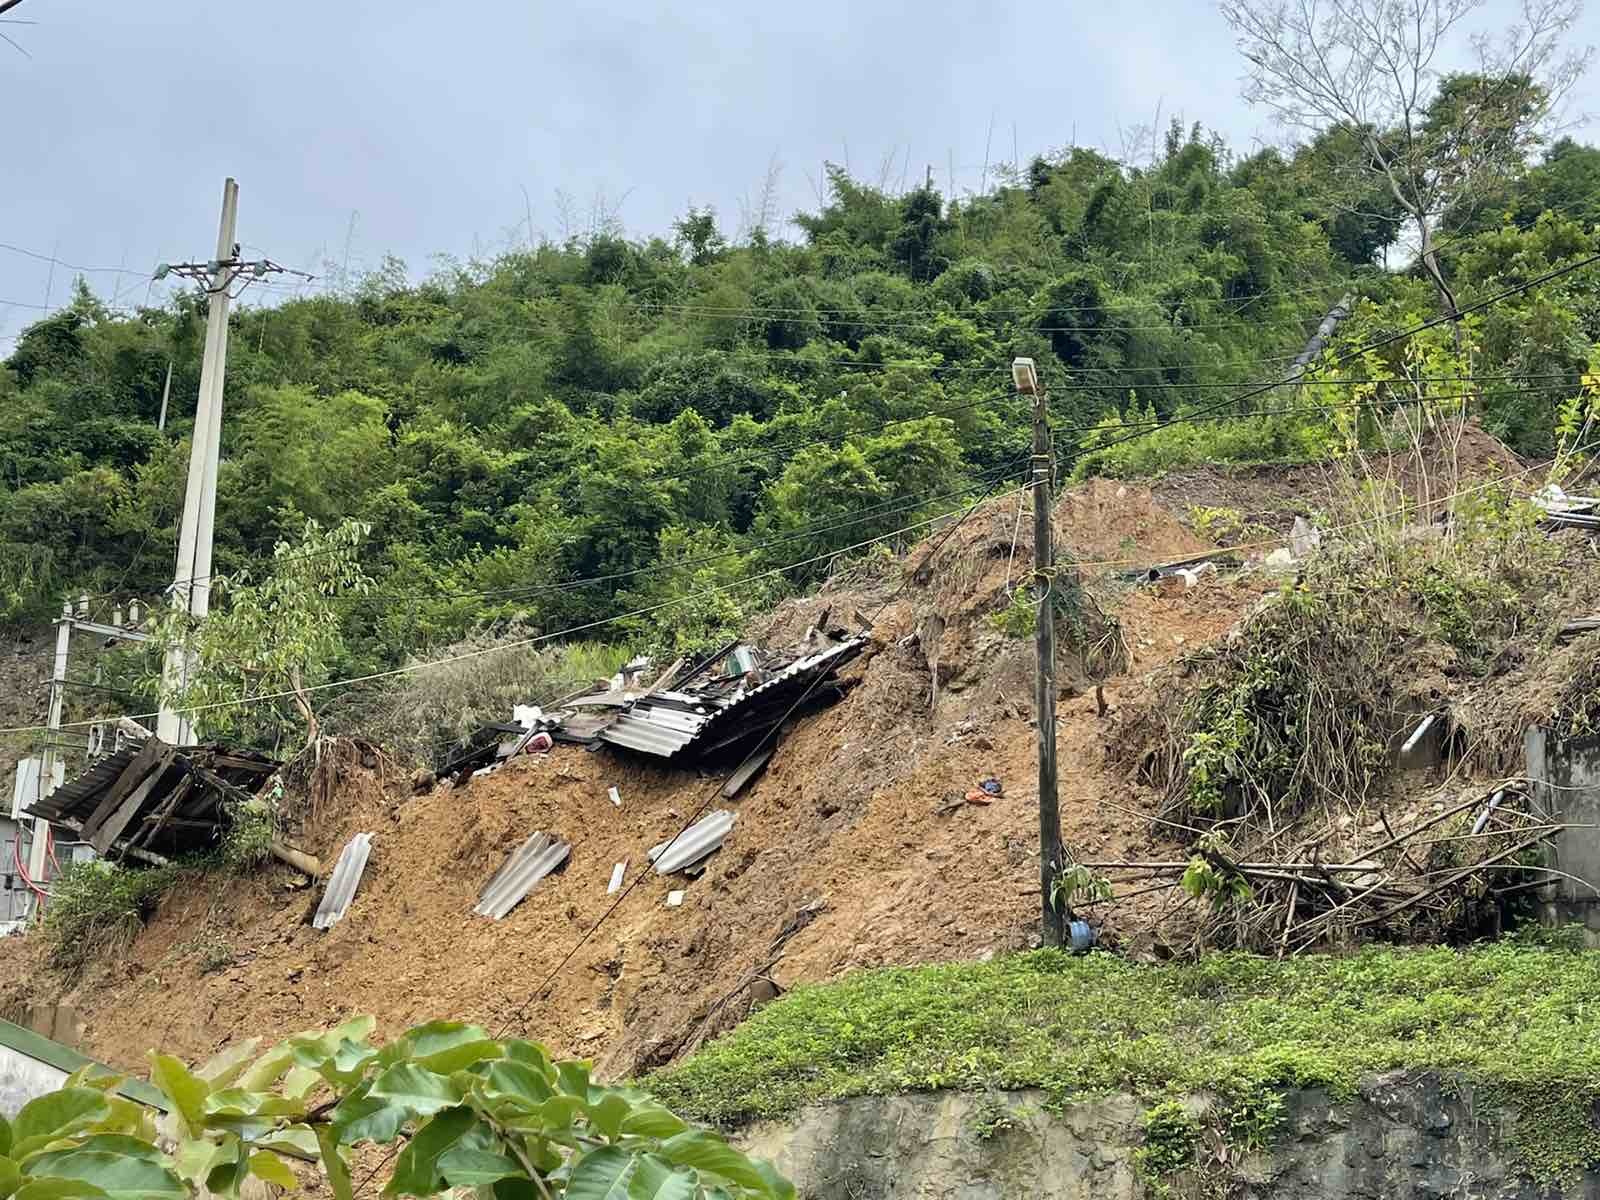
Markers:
<point>412,668</point>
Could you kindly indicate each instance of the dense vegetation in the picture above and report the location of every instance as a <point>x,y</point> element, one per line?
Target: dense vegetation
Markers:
<point>569,434</point>
<point>459,1110</point>
<point>1518,1020</point>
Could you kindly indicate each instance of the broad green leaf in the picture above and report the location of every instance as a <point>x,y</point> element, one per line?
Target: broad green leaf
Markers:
<point>517,1079</point>
<point>268,1069</point>
<point>779,1187</point>
<point>366,1118</point>
<point>437,1036</point>
<point>531,1053</point>
<point>454,1058</point>
<point>356,1029</point>
<point>606,1116</point>
<point>602,1175</point>
<point>5,1136</point>
<point>10,1177</point>
<point>58,1189</point>
<point>228,1176</point>
<point>707,1152</point>
<point>654,1179</point>
<point>25,1152</point>
<point>297,1141</point>
<point>511,1189</point>
<point>125,1117</point>
<point>574,1078</point>
<point>299,1082</point>
<point>58,1114</point>
<point>118,1176</point>
<point>197,1156</point>
<point>235,1102</point>
<point>224,1068</point>
<point>186,1090</point>
<point>416,1171</point>
<point>93,1076</point>
<point>559,1112</point>
<point>111,1143</point>
<point>334,1164</point>
<point>268,1166</point>
<point>246,1128</point>
<point>652,1121</point>
<point>464,1166</point>
<point>415,1089</point>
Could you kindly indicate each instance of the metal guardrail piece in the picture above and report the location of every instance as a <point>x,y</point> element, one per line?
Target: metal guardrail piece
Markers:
<point>693,844</point>
<point>343,882</point>
<point>527,865</point>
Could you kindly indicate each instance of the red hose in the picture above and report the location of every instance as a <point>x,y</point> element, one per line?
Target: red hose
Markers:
<point>16,856</point>
<point>50,847</point>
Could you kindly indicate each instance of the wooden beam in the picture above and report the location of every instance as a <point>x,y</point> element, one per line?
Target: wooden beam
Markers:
<point>133,775</point>
<point>119,820</point>
<point>155,860</point>
<point>162,817</point>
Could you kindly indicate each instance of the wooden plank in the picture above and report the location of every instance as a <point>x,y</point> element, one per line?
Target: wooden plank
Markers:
<point>131,777</point>
<point>741,778</point>
<point>155,860</point>
<point>118,821</point>
<point>162,817</point>
<point>230,763</point>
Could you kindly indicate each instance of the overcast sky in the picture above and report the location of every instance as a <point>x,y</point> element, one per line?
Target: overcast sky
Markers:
<point>358,127</point>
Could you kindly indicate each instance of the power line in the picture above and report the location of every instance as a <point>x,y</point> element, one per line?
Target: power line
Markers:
<point>541,638</point>
<point>50,258</point>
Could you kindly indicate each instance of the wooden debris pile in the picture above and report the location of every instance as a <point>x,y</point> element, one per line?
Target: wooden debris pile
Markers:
<point>152,801</point>
<point>1450,875</point>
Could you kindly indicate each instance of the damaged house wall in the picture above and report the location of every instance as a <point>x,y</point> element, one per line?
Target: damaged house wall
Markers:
<point>1565,774</point>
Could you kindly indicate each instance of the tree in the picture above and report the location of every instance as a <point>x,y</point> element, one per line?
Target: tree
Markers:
<point>1371,68</point>
<point>697,232</point>
<point>277,638</point>
<point>496,1115</point>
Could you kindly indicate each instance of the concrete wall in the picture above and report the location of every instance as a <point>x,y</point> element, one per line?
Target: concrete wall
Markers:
<point>23,1078</point>
<point>1565,774</point>
<point>1401,1137</point>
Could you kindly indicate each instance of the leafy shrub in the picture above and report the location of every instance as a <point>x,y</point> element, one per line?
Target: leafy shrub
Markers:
<point>499,1117</point>
<point>97,908</point>
<point>423,711</point>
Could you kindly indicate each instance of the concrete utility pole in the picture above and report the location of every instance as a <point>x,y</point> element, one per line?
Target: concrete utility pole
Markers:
<point>191,581</point>
<point>1051,857</point>
<point>38,851</point>
<point>52,769</point>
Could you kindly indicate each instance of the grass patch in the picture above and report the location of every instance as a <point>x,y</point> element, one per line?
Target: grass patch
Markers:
<point>1519,1018</point>
<point>96,909</point>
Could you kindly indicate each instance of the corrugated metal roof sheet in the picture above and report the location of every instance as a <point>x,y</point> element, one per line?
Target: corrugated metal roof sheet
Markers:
<point>86,789</point>
<point>641,729</point>
<point>344,881</point>
<point>662,724</point>
<point>693,844</point>
<point>527,865</point>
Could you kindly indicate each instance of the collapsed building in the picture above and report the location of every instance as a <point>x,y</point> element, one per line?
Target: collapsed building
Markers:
<point>720,705</point>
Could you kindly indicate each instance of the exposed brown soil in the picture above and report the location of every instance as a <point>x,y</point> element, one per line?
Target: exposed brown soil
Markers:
<point>851,850</point>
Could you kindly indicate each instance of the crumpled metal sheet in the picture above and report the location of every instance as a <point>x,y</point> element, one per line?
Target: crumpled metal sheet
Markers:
<point>343,882</point>
<point>527,865</point>
<point>693,844</point>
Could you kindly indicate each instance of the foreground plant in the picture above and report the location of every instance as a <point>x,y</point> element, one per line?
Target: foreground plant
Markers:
<point>466,1110</point>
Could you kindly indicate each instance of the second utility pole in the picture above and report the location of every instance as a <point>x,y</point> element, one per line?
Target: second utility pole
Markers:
<point>1051,858</point>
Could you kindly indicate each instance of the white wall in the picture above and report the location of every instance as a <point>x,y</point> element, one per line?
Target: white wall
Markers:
<point>23,1078</point>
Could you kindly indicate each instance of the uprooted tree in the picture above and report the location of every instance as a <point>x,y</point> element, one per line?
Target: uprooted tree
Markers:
<point>465,1111</point>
